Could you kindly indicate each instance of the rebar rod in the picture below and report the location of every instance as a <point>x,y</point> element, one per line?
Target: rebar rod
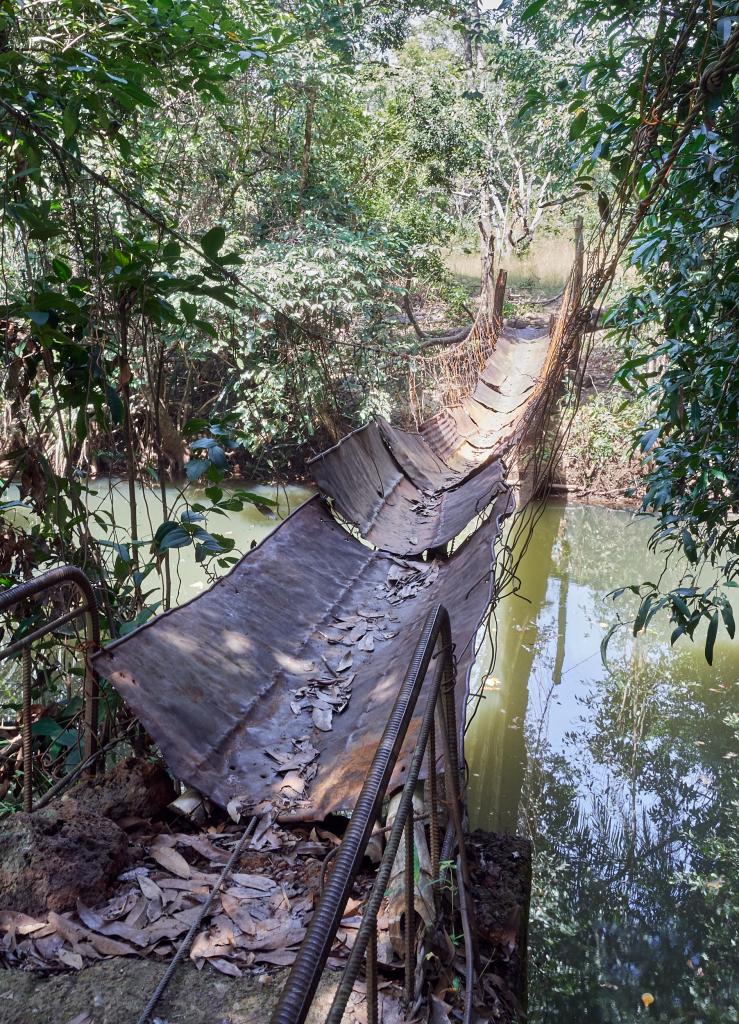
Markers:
<point>195,926</point>
<point>43,584</point>
<point>409,932</point>
<point>434,812</point>
<point>371,976</point>
<point>27,730</point>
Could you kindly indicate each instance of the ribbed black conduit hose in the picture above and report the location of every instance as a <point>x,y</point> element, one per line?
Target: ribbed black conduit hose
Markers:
<point>369,917</point>
<point>302,982</point>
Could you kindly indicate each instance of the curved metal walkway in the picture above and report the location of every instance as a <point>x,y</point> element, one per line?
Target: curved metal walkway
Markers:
<point>276,682</point>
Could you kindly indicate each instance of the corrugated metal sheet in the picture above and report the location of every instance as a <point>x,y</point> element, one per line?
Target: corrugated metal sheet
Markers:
<point>218,682</point>
<point>416,458</point>
<point>282,675</point>
<point>371,491</point>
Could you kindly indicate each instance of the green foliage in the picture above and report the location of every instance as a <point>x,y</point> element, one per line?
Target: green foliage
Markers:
<point>601,430</point>
<point>669,141</point>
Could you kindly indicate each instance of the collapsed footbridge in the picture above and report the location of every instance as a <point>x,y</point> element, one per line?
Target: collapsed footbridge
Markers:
<point>328,671</point>
<point>276,682</point>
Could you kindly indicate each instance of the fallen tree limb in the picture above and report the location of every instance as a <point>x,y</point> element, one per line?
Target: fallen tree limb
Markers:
<point>450,338</point>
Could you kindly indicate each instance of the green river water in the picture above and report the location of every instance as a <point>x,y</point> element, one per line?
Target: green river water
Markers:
<point>624,778</point>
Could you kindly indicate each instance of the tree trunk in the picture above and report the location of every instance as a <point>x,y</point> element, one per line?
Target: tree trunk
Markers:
<point>307,137</point>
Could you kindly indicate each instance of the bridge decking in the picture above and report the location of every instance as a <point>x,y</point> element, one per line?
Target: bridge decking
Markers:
<point>276,683</point>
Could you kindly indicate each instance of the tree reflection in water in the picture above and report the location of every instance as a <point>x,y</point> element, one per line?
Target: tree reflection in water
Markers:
<point>626,783</point>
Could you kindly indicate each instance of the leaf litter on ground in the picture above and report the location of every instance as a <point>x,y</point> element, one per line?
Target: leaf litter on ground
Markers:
<point>257,921</point>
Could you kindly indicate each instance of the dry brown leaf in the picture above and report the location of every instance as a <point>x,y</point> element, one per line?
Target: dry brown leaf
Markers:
<point>200,884</point>
<point>254,881</point>
<point>275,933</point>
<point>154,910</point>
<point>358,632</point>
<point>49,946</point>
<point>81,1018</point>
<point>109,947</point>
<point>68,930</point>
<point>217,940</point>
<point>21,924</point>
<point>120,906</point>
<point>136,917</point>
<point>322,718</point>
<point>162,839</point>
<point>239,913</point>
<point>166,928</point>
<point>170,859</point>
<point>87,950</point>
<point>149,888</point>
<point>276,957</point>
<point>94,921</point>
<point>70,959</point>
<point>203,846</point>
<point>84,941</point>
<point>293,782</point>
<point>225,966</point>
<point>189,915</point>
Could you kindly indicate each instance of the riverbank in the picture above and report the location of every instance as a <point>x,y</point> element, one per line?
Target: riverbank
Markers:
<point>598,466</point>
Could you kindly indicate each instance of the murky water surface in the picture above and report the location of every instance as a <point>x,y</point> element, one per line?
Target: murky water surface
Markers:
<point>625,778</point>
<point>246,528</point>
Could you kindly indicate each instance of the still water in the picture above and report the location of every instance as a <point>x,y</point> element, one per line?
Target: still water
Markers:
<point>108,498</point>
<point>625,779</point>
<point>108,516</point>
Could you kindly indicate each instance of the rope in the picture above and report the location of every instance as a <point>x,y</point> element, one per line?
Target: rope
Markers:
<point>186,943</point>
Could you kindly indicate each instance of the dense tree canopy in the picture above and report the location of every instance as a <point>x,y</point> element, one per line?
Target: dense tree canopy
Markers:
<point>657,106</point>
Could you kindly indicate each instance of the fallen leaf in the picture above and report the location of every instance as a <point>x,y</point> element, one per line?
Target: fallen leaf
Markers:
<point>275,933</point>
<point>149,888</point>
<point>294,783</point>
<point>322,717</point>
<point>225,966</point>
<point>357,633</point>
<point>345,662</point>
<point>197,885</point>
<point>216,940</point>
<point>170,859</point>
<point>92,920</point>
<point>165,928</point>
<point>254,881</point>
<point>238,913</point>
<point>70,959</point>
<point>21,924</point>
<point>49,946</point>
<point>276,957</point>
<point>203,846</point>
<point>68,930</point>
<point>109,947</point>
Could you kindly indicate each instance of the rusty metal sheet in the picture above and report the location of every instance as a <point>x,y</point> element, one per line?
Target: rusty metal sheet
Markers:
<point>417,459</point>
<point>224,684</point>
<point>440,431</point>
<point>370,491</point>
<point>361,477</point>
